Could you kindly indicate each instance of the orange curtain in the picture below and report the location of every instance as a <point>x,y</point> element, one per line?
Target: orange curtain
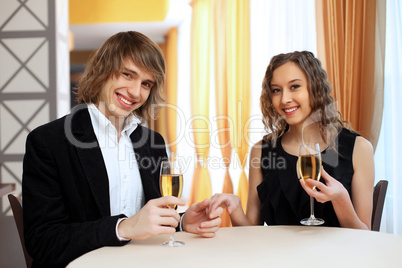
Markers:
<point>238,82</point>
<point>168,112</point>
<point>221,101</point>
<point>200,79</point>
<point>351,45</point>
<point>158,123</point>
<point>232,82</point>
<point>171,85</point>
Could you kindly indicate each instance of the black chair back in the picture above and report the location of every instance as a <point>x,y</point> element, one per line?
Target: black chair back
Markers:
<point>379,193</point>
<point>15,202</point>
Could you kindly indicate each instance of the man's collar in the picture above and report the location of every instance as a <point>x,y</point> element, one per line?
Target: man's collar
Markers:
<point>101,122</point>
<point>130,124</point>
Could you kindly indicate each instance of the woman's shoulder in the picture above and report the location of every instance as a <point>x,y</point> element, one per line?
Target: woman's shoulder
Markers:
<point>263,149</point>
<point>358,144</point>
<point>347,138</point>
<point>263,145</point>
<point>363,146</point>
<point>348,133</point>
<point>256,149</point>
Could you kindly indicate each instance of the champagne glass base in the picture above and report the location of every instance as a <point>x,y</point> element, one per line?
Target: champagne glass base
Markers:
<point>312,221</point>
<point>173,243</point>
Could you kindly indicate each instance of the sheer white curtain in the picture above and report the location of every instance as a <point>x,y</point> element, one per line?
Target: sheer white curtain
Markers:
<point>276,27</point>
<point>388,155</point>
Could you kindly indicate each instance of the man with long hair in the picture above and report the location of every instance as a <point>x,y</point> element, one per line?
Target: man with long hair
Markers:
<point>91,178</point>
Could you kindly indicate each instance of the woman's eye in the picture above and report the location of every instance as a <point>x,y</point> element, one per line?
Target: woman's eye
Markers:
<point>275,90</point>
<point>295,86</point>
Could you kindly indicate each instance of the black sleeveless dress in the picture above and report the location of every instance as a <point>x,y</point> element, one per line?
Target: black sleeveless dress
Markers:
<point>283,200</point>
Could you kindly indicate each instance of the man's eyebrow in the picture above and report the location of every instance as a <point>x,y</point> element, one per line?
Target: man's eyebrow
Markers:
<point>125,69</point>
<point>129,70</point>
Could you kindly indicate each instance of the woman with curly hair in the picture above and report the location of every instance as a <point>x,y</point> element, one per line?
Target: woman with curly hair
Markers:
<point>297,107</point>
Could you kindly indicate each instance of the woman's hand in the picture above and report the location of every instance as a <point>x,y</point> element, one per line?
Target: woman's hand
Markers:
<point>230,202</point>
<point>332,190</point>
<point>352,211</point>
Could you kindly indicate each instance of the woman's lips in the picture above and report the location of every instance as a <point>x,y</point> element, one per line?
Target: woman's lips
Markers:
<point>290,110</point>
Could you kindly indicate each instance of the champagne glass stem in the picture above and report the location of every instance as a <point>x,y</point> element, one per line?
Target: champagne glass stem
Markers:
<point>171,240</point>
<point>312,207</point>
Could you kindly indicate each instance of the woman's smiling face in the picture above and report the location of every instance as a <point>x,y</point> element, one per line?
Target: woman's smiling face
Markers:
<point>289,93</point>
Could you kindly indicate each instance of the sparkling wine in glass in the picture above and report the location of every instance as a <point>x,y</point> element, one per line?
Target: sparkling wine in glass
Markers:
<point>310,167</point>
<point>171,184</point>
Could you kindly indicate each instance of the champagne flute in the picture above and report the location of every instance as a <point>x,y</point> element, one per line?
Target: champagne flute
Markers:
<point>310,167</point>
<point>171,184</point>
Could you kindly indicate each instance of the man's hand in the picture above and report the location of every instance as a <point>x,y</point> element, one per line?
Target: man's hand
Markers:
<point>153,219</point>
<point>199,220</point>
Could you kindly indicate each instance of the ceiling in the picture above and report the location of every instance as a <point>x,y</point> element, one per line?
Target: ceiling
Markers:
<point>91,34</point>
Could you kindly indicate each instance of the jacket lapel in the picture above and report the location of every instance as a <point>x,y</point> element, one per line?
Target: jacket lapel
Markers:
<point>91,157</point>
<point>146,162</point>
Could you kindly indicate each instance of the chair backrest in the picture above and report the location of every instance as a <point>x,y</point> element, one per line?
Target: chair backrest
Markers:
<point>15,202</point>
<point>380,190</point>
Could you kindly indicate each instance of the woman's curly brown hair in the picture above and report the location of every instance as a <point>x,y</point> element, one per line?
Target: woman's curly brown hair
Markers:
<point>109,60</point>
<point>322,103</point>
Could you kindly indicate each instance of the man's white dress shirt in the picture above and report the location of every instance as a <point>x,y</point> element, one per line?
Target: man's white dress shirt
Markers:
<point>125,186</point>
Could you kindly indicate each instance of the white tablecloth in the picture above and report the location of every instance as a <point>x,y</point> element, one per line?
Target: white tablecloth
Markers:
<point>257,246</point>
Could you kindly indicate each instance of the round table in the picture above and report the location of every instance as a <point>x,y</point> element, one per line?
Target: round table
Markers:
<point>257,246</point>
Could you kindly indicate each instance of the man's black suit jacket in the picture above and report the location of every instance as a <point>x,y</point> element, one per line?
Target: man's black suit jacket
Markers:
<point>65,188</point>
